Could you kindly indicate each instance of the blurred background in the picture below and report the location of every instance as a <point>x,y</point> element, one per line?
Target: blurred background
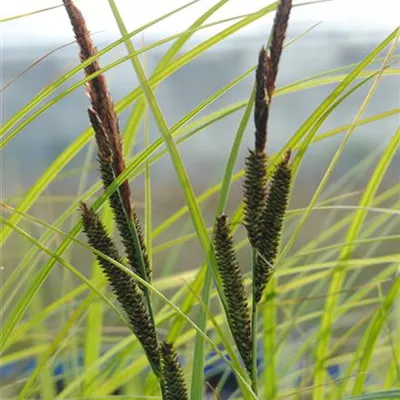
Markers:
<point>346,32</point>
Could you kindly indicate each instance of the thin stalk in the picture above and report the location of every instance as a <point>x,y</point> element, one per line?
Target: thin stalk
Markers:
<point>270,344</point>
<point>196,386</point>
<point>254,324</point>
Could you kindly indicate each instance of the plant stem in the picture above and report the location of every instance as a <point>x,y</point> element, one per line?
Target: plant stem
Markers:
<point>254,317</point>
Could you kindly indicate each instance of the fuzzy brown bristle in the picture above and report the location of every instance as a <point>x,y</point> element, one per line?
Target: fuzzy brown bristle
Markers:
<point>261,105</point>
<point>279,29</point>
<point>103,143</point>
<point>105,124</point>
<point>99,94</point>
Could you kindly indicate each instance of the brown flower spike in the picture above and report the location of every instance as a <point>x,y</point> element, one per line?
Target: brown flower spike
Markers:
<point>279,29</point>
<point>261,103</point>
<point>124,286</point>
<point>272,223</point>
<point>263,226</point>
<point>255,193</point>
<point>105,124</point>
<point>255,180</point>
<point>232,282</point>
<point>174,380</point>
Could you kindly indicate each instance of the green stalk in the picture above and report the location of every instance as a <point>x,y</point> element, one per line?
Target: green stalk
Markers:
<point>270,344</point>
<point>254,324</point>
<point>196,387</point>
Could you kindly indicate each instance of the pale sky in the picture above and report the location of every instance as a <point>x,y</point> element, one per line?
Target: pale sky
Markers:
<point>53,25</point>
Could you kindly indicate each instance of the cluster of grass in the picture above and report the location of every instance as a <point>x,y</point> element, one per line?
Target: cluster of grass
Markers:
<point>178,338</point>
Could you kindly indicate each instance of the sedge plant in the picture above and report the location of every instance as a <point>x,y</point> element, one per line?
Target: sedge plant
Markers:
<point>159,341</point>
